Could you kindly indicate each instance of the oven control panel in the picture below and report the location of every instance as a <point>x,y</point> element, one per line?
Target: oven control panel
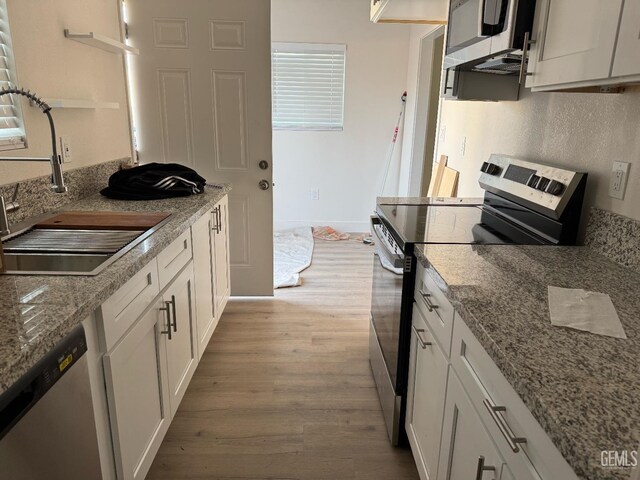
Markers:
<point>546,189</point>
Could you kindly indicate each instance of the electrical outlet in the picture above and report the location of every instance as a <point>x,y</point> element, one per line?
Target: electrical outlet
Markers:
<point>443,134</point>
<point>65,150</point>
<point>315,194</point>
<point>618,182</point>
<point>463,146</point>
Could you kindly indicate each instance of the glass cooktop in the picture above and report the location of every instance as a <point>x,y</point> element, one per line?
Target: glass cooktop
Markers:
<point>461,224</point>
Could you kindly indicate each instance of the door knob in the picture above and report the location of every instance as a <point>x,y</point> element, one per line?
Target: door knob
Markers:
<point>263,164</point>
<point>264,185</point>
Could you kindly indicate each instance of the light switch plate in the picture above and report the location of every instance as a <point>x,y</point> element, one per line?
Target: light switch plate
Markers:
<point>463,146</point>
<point>618,182</point>
<point>315,194</point>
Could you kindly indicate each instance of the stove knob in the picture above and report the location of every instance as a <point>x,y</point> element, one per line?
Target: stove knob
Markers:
<point>543,183</point>
<point>490,168</point>
<point>533,181</point>
<point>555,187</point>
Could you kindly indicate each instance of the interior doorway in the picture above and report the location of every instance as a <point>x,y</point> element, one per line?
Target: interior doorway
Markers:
<point>425,125</point>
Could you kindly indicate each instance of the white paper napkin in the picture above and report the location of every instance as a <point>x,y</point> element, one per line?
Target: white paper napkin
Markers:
<point>589,311</point>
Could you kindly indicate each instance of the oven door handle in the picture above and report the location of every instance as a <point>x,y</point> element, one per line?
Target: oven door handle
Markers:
<point>396,260</point>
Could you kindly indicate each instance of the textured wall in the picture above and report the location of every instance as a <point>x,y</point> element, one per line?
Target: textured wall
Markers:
<point>580,131</point>
<point>53,66</point>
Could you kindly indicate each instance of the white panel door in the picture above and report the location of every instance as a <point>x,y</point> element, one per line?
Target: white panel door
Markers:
<point>138,395</point>
<point>575,41</point>
<point>181,343</point>
<point>467,452</point>
<point>627,59</point>
<point>201,90</point>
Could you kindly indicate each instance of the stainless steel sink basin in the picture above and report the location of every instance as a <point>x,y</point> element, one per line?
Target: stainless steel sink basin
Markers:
<point>53,263</point>
<point>44,251</point>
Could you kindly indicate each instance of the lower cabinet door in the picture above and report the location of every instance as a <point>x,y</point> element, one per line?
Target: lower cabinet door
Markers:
<point>468,452</point>
<point>203,272</point>
<point>428,372</point>
<point>221,255</point>
<point>138,394</point>
<point>181,344</point>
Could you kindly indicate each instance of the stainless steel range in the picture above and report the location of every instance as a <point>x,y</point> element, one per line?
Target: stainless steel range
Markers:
<point>524,204</point>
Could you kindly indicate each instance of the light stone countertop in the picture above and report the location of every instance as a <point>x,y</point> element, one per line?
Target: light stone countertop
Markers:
<point>37,311</point>
<point>584,389</point>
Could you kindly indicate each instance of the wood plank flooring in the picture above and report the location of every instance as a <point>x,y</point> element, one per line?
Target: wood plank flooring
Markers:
<point>284,389</point>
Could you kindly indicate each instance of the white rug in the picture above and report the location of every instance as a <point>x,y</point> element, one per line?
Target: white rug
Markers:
<point>292,252</point>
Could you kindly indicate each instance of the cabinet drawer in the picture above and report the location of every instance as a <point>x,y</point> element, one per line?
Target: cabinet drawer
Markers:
<point>124,307</point>
<point>173,258</point>
<point>435,308</point>
<point>503,412</point>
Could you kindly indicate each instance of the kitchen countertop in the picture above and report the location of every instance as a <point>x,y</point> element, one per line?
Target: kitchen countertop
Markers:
<point>36,311</point>
<point>584,389</point>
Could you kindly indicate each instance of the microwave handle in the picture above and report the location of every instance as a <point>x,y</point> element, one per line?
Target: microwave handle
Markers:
<point>488,15</point>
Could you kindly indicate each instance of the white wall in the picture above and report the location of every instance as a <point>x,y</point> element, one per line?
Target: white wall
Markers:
<point>581,131</point>
<point>347,167</point>
<point>53,66</point>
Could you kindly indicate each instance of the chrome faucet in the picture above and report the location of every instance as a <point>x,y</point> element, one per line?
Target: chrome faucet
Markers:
<point>57,179</point>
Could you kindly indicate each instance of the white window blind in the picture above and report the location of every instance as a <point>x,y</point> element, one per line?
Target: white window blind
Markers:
<point>12,133</point>
<point>308,86</point>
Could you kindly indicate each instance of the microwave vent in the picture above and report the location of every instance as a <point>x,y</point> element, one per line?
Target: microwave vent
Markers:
<point>505,65</point>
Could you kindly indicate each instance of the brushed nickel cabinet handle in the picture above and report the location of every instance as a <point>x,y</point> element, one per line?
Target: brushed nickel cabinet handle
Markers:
<point>173,310</point>
<point>427,299</point>
<point>419,332</point>
<point>483,468</point>
<point>167,309</point>
<point>216,226</point>
<point>495,412</point>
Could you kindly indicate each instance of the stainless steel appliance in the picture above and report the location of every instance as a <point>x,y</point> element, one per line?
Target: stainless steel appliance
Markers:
<point>47,425</point>
<point>524,204</point>
<point>484,29</point>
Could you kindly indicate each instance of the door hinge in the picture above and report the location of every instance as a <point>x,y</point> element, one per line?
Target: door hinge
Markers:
<point>126,30</point>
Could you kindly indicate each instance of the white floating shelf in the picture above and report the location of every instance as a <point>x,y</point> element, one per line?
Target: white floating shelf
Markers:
<point>102,42</point>
<point>73,103</point>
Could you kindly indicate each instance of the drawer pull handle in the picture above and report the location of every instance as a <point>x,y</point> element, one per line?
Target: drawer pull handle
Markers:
<point>426,296</point>
<point>495,412</point>
<point>423,343</point>
<point>167,308</point>
<point>483,468</point>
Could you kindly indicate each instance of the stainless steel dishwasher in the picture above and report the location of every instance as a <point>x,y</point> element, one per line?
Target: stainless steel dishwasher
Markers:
<point>47,423</point>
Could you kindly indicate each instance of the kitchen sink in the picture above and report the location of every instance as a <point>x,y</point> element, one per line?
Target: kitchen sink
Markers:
<point>68,251</point>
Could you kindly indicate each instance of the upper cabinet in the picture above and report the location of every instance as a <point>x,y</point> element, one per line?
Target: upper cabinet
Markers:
<point>584,43</point>
<point>409,11</point>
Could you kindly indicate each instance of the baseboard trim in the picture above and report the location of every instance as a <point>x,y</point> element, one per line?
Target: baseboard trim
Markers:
<point>341,225</point>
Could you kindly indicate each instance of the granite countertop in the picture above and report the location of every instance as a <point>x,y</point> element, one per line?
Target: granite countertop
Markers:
<point>36,311</point>
<point>584,389</point>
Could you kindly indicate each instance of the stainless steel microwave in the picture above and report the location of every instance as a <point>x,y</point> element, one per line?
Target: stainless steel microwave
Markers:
<point>481,29</point>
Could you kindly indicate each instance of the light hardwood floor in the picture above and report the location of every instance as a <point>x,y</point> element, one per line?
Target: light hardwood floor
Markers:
<point>284,389</point>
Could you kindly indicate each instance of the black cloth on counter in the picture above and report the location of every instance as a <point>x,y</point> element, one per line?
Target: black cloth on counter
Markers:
<point>154,181</point>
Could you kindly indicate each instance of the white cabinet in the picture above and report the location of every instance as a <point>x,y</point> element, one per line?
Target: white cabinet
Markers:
<point>182,357</point>
<point>222,284</point>
<point>409,11</point>
<point>204,274</point>
<point>468,451</point>
<point>575,42</point>
<point>627,60</point>
<point>138,394</point>
<point>428,370</point>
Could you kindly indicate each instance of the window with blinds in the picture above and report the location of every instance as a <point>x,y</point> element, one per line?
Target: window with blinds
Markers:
<point>12,133</point>
<point>308,86</point>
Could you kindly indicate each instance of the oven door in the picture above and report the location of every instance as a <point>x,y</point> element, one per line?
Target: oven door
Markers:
<point>386,300</point>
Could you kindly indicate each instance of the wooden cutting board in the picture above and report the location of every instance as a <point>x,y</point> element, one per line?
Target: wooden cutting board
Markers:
<point>436,177</point>
<point>449,183</point>
<point>104,220</point>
